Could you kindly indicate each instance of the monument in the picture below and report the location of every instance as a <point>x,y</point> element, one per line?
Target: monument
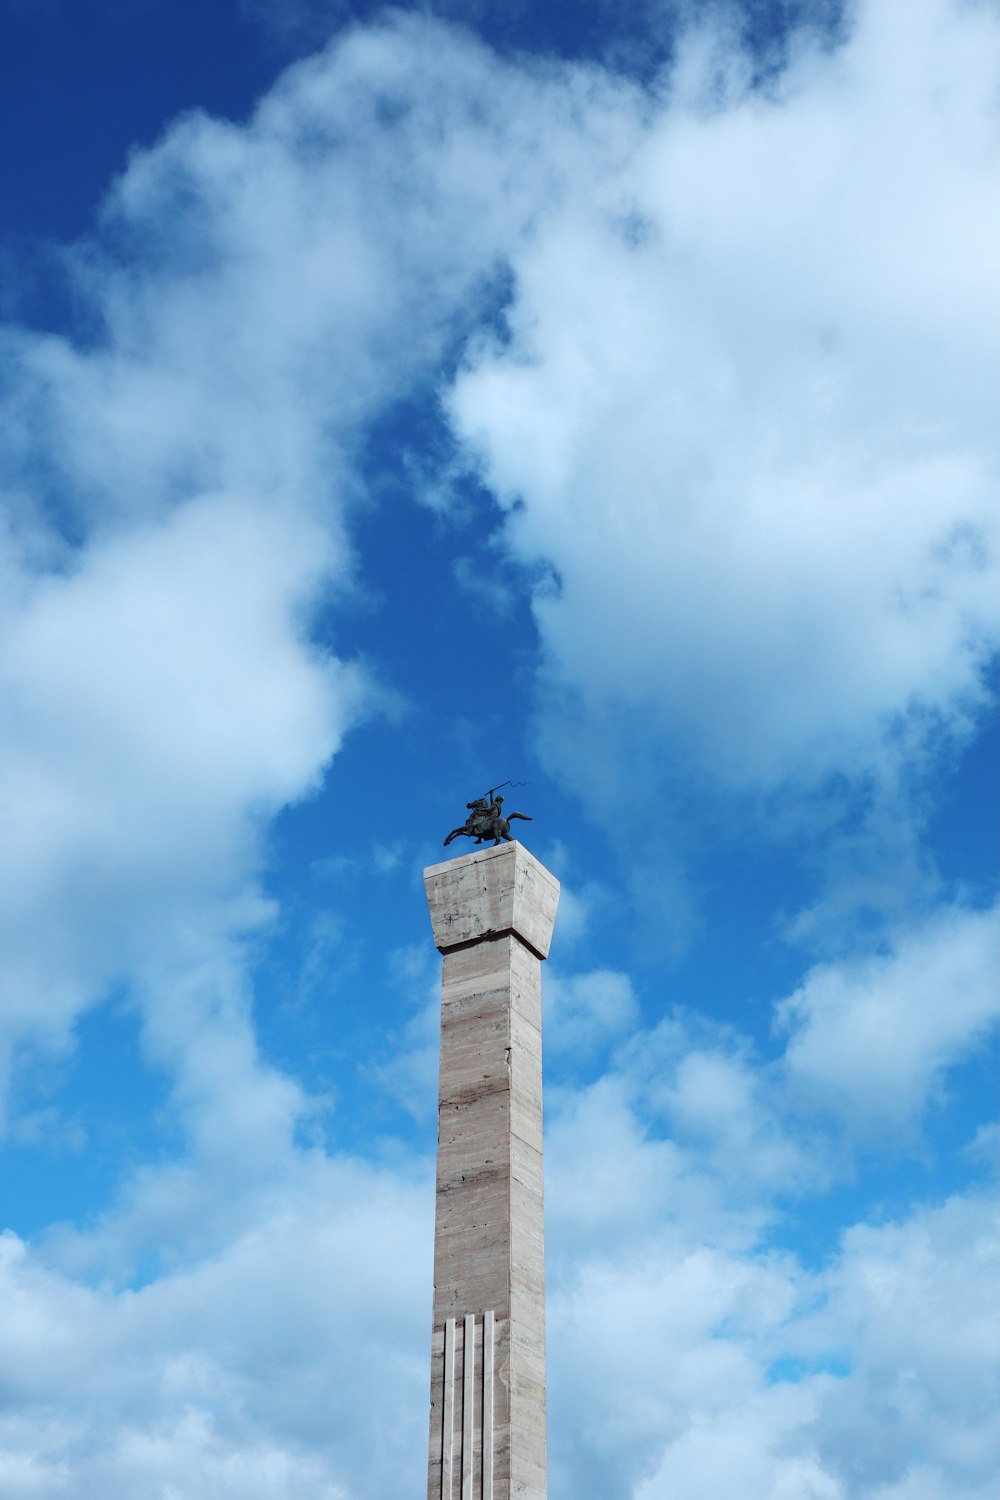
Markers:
<point>492,914</point>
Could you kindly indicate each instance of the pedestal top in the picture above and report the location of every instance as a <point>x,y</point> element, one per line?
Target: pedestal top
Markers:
<point>491,892</point>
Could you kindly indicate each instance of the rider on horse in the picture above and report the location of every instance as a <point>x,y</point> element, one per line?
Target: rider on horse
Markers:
<point>486,819</point>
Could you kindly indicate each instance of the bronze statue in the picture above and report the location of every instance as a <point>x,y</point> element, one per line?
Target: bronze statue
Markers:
<point>486,820</point>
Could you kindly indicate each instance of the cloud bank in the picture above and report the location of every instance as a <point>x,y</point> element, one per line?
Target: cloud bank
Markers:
<point>741,421</point>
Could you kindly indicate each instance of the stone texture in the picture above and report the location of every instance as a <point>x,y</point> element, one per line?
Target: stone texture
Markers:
<point>490,892</point>
<point>492,913</point>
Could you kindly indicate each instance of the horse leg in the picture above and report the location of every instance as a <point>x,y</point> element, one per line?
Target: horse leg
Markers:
<point>454,835</point>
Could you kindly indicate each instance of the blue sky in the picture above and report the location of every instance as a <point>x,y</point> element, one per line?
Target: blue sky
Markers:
<point>395,403</point>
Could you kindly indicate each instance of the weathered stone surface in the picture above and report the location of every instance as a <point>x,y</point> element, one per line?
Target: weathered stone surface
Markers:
<point>492,912</point>
<point>489,892</point>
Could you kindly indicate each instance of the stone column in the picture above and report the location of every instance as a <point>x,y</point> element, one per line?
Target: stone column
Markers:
<point>492,913</point>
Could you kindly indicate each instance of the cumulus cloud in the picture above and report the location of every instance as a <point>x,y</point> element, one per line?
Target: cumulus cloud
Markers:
<point>586,1011</point>
<point>911,1305</point>
<point>690,1126</point>
<point>686,1345</point>
<point>177,483</point>
<point>676,1353</point>
<point>162,701</point>
<point>178,479</point>
<point>742,424</point>
<point>216,1377</point>
<point>676,1366</point>
<point>673,1364</point>
<point>684,1140</point>
<point>871,1039</point>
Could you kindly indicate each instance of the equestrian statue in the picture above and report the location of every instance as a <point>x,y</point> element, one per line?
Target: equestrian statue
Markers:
<point>487,820</point>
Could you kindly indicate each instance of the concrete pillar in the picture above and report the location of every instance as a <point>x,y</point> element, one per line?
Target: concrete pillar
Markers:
<point>492,912</point>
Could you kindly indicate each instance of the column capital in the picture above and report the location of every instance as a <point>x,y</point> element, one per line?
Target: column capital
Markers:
<point>489,893</point>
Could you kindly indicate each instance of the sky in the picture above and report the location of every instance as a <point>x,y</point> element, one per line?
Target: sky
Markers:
<point>394,403</point>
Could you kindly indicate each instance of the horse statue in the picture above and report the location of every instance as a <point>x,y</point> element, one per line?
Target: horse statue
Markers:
<point>486,820</point>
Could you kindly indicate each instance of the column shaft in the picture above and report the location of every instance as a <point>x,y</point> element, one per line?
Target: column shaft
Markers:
<point>487,1419</point>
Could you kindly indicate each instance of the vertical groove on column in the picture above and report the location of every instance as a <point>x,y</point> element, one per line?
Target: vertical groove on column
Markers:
<point>487,1406</point>
<point>468,1373</point>
<point>448,1420</point>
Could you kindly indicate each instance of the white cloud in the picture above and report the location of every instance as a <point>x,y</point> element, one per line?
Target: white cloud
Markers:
<point>675,1367</point>
<point>744,416</point>
<point>586,1011</point>
<point>684,1349</point>
<point>620,1182</point>
<point>162,703</point>
<point>872,1038</point>
<point>914,1305</point>
<point>722,1103</point>
<point>635,1362</point>
<point>291,1356</point>
<point>178,484</point>
<point>691,1135</point>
